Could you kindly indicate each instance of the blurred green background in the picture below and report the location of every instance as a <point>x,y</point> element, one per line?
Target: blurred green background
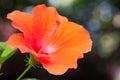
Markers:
<point>100,17</point>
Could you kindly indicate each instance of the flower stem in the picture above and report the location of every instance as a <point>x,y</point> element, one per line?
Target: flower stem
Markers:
<point>25,71</point>
<point>31,63</point>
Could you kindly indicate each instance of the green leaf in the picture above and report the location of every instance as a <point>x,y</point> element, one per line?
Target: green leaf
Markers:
<point>5,52</point>
<point>2,45</point>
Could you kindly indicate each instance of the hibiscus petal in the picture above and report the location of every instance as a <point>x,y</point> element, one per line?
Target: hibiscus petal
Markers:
<point>18,41</point>
<point>71,35</point>
<point>44,19</point>
<point>61,61</point>
<point>21,21</point>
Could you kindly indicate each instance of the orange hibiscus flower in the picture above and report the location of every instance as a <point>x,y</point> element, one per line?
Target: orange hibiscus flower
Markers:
<point>53,41</point>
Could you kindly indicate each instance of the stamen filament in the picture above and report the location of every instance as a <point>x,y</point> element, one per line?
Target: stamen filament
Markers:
<point>50,35</point>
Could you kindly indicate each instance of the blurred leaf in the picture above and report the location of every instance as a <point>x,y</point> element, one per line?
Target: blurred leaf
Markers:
<point>5,52</point>
<point>29,79</point>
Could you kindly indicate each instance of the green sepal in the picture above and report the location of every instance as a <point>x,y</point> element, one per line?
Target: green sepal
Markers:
<point>5,52</point>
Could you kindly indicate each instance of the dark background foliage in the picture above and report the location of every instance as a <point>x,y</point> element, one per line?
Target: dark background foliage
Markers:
<point>100,17</point>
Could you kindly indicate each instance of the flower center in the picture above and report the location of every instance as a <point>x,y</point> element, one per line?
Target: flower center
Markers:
<point>49,49</point>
